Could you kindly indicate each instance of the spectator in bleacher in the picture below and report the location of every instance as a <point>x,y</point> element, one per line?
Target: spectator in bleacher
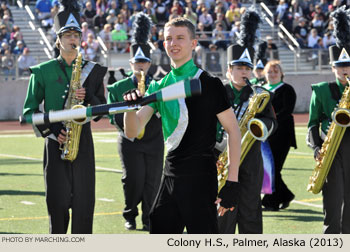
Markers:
<point>4,46</point>
<point>93,45</point>
<point>156,55</point>
<point>161,11</point>
<point>85,31</point>
<point>236,4</point>
<point>310,12</point>
<point>324,5</point>
<point>192,16</point>
<point>4,34</point>
<point>200,5</point>
<point>190,4</point>
<point>133,5</point>
<point>161,40</point>
<point>197,57</point>
<point>301,32</point>
<point>88,14</point>
<point>206,19</point>
<point>121,21</point>
<point>271,50</point>
<point>328,39</point>
<point>111,18</point>
<point>318,23</point>
<point>173,13</point>
<point>280,10</point>
<point>149,12</point>
<point>99,21</point>
<point>25,60</point>
<point>114,5</point>
<point>213,59</point>
<point>149,7</point>
<point>235,30</point>
<point>19,48</point>
<point>7,23</point>
<point>312,38</point>
<point>119,39</point>
<point>43,9</point>
<point>105,35</point>
<point>220,19</point>
<point>13,42</point>
<point>220,38</point>
<point>230,15</point>
<point>177,5</point>
<point>101,5</point>
<point>8,65</point>
<point>4,9</point>
<point>154,33</point>
<point>295,7</point>
<point>202,36</point>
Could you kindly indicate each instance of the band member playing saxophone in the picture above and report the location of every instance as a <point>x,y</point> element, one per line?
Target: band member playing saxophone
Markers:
<point>141,157</point>
<point>248,107</point>
<point>68,183</point>
<point>325,98</point>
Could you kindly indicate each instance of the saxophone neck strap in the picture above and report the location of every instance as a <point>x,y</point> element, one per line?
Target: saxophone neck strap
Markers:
<point>335,92</point>
<point>61,64</point>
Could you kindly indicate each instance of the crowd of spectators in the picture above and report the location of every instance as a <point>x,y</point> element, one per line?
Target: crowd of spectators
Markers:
<point>309,20</point>
<point>12,46</point>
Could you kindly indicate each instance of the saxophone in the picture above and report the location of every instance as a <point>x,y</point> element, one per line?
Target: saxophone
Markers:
<point>70,147</point>
<point>340,121</point>
<point>251,129</point>
<point>141,87</point>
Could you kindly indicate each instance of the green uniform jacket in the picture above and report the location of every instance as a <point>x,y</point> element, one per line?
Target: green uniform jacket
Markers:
<point>322,105</point>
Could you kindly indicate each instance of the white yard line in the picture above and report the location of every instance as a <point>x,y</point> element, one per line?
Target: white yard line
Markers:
<point>306,204</point>
<point>39,159</point>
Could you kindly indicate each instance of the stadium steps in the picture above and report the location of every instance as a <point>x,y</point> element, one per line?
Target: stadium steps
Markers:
<point>31,38</point>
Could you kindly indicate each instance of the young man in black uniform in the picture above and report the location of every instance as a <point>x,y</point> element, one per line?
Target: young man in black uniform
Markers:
<point>68,184</point>
<point>248,213</point>
<point>324,100</point>
<point>141,157</point>
<point>188,192</point>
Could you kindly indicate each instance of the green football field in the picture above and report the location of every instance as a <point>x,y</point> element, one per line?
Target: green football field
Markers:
<point>22,196</point>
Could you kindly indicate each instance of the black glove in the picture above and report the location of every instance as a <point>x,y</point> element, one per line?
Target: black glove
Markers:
<point>132,91</point>
<point>56,128</point>
<point>229,194</point>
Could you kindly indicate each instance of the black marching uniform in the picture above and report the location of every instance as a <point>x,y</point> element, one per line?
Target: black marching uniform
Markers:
<point>141,159</point>
<point>68,184</point>
<point>280,142</point>
<point>248,214</point>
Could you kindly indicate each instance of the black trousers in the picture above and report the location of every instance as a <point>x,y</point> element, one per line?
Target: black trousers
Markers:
<point>248,213</point>
<point>336,192</point>
<point>186,201</point>
<point>142,174</point>
<point>282,192</point>
<point>70,185</point>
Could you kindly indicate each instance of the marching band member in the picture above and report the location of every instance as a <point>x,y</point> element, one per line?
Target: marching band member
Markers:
<point>283,138</point>
<point>324,100</point>
<point>188,192</point>
<point>260,65</point>
<point>248,213</point>
<point>67,184</point>
<point>141,157</point>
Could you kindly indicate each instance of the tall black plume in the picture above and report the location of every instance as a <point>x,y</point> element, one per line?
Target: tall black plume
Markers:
<point>141,28</point>
<point>341,22</point>
<point>261,53</point>
<point>249,24</point>
<point>71,5</point>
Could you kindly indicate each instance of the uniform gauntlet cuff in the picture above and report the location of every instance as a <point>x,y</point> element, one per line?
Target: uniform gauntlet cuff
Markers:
<point>229,194</point>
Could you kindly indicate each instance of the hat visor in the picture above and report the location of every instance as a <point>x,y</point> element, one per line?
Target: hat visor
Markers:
<point>143,59</point>
<point>241,63</point>
<point>68,28</point>
<point>341,63</point>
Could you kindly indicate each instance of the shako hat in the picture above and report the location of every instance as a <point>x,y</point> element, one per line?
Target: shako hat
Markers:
<point>140,49</point>
<point>242,53</point>
<point>261,56</point>
<point>68,17</point>
<point>339,53</point>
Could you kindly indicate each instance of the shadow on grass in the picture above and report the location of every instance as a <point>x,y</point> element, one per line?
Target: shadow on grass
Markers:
<point>303,215</point>
<point>11,161</point>
<point>18,174</point>
<point>14,193</point>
